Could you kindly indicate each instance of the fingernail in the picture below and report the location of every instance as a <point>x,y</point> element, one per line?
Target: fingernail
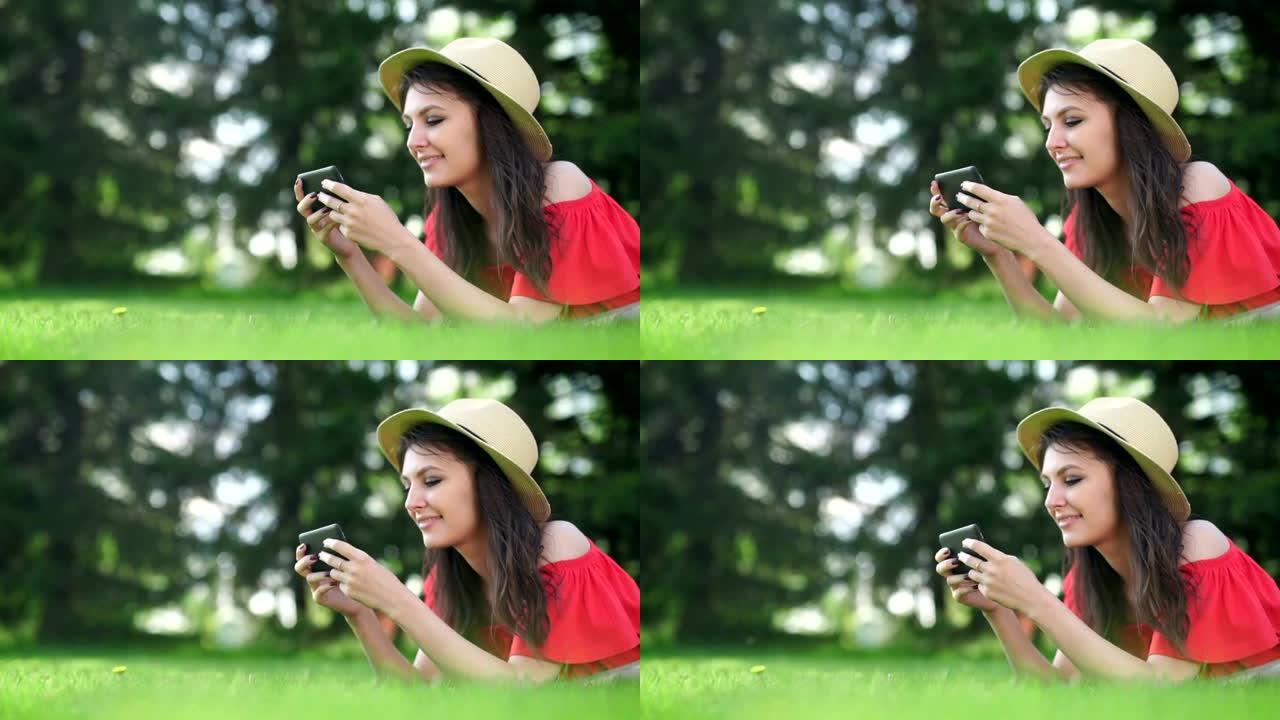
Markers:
<point>326,184</point>
<point>964,185</point>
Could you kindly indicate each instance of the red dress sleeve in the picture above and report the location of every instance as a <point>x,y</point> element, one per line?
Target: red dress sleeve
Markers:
<point>1234,252</point>
<point>1233,612</point>
<point>593,609</point>
<point>595,253</point>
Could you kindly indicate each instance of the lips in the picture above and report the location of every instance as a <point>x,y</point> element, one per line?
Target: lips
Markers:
<point>1065,520</point>
<point>427,162</point>
<point>1067,161</point>
<point>426,521</point>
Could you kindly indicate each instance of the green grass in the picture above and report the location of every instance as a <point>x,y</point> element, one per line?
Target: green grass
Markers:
<point>711,685</point>
<point>157,686</point>
<point>809,325</point>
<point>65,325</point>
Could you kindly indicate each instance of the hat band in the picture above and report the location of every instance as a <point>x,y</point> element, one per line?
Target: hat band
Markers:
<point>1113,72</point>
<point>477,72</point>
<point>472,432</point>
<point>1113,432</point>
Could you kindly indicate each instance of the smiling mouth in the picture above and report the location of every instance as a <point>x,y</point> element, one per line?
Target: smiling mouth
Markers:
<point>1064,519</point>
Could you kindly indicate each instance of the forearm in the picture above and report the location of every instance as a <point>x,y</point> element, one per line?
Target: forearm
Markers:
<point>1089,292</point>
<point>1024,657</point>
<point>452,653</point>
<point>1092,654</point>
<point>375,293</point>
<point>382,654</point>
<point>447,290</point>
<point>1022,296</point>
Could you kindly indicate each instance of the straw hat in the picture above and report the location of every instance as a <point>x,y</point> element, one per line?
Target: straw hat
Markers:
<point>1131,423</point>
<point>1136,68</point>
<point>496,428</point>
<point>492,63</point>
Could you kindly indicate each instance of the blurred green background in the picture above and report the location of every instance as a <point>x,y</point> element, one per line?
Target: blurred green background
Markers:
<point>793,144</point>
<point>159,503</point>
<point>799,503</point>
<point>156,142</point>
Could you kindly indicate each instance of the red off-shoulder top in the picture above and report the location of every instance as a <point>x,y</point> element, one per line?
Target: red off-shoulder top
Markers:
<point>1233,253</point>
<point>593,613</point>
<point>595,257</point>
<point>1233,614</point>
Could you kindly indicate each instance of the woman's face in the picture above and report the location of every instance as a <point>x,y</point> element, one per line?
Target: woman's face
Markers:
<point>442,136</point>
<point>1081,138</point>
<point>440,497</point>
<point>1080,496</point>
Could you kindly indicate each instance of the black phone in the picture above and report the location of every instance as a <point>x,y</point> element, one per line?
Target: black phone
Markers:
<point>952,541</point>
<point>314,542</point>
<point>949,184</point>
<point>311,183</point>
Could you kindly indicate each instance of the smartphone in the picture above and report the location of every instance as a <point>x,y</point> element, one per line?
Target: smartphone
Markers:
<point>314,542</point>
<point>952,541</point>
<point>949,184</point>
<point>311,183</point>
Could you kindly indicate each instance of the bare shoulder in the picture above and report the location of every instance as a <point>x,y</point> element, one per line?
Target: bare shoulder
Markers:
<point>565,181</point>
<point>562,540</point>
<point>1202,540</point>
<point>1203,181</point>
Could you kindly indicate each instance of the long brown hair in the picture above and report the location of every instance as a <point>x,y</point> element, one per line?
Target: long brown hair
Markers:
<point>1157,240</point>
<point>516,596</point>
<point>1155,546</point>
<point>519,183</point>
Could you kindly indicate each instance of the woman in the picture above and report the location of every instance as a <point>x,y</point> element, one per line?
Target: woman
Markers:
<point>507,594</point>
<point>1149,234</point>
<point>509,233</point>
<point>1149,593</point>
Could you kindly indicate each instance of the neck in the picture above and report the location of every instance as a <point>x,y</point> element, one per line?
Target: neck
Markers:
<point>475,551</point>
<point>1116,551</point>
<point>479,193</point>
<point>1116,192</point>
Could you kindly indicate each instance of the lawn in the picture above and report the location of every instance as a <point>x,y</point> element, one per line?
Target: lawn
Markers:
<point>827,325</point>
<point>723,685</point>
<point>85,686</point>
<point>65,325</point>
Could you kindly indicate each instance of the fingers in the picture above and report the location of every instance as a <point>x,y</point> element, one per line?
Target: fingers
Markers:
<point>299,551</point>
<point>314,219</point>
<point>942,553</point>
<point>316,578</point>
<point>305,206</point>
<point>981,548</point>
<point>346,549</point>
<point>297,189</point>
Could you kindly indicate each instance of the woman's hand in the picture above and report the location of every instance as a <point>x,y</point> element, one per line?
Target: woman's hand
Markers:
<point>321,223</point>
<point>1004,219</point>
<point>364,580</point>
<point>324,589</point>
<point>962,588</point>
<point>1004,578</point>
<point>365,218</point>
<point>957,221</point>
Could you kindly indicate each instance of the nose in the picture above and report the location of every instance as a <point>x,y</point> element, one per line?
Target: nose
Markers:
<point>1056,139</point>
<point>1055,497</point>
<point>415,499</point>
<point>417,139</point>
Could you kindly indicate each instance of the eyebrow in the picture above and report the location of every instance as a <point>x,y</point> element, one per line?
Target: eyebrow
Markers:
<point>1062,110</point>
<point>419,111</point>
<point>1059,471</point>
<point>420,471</point>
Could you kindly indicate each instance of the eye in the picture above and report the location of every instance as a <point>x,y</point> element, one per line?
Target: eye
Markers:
<point>1073,479</point>
<point>433,481</point>
<point>1073,122</point>
<point>433,121</point>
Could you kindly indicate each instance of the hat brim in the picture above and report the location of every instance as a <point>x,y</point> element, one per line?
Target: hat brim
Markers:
<point>1033,427</point>
<point>1034,68</point>
<point>395,66</point>
<point>394,427</point>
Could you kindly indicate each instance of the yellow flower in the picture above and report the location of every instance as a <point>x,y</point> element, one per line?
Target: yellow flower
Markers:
<point>759,310</point>
<point>119,669</point>
<point>758,669</point>
<point>120,310</point>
